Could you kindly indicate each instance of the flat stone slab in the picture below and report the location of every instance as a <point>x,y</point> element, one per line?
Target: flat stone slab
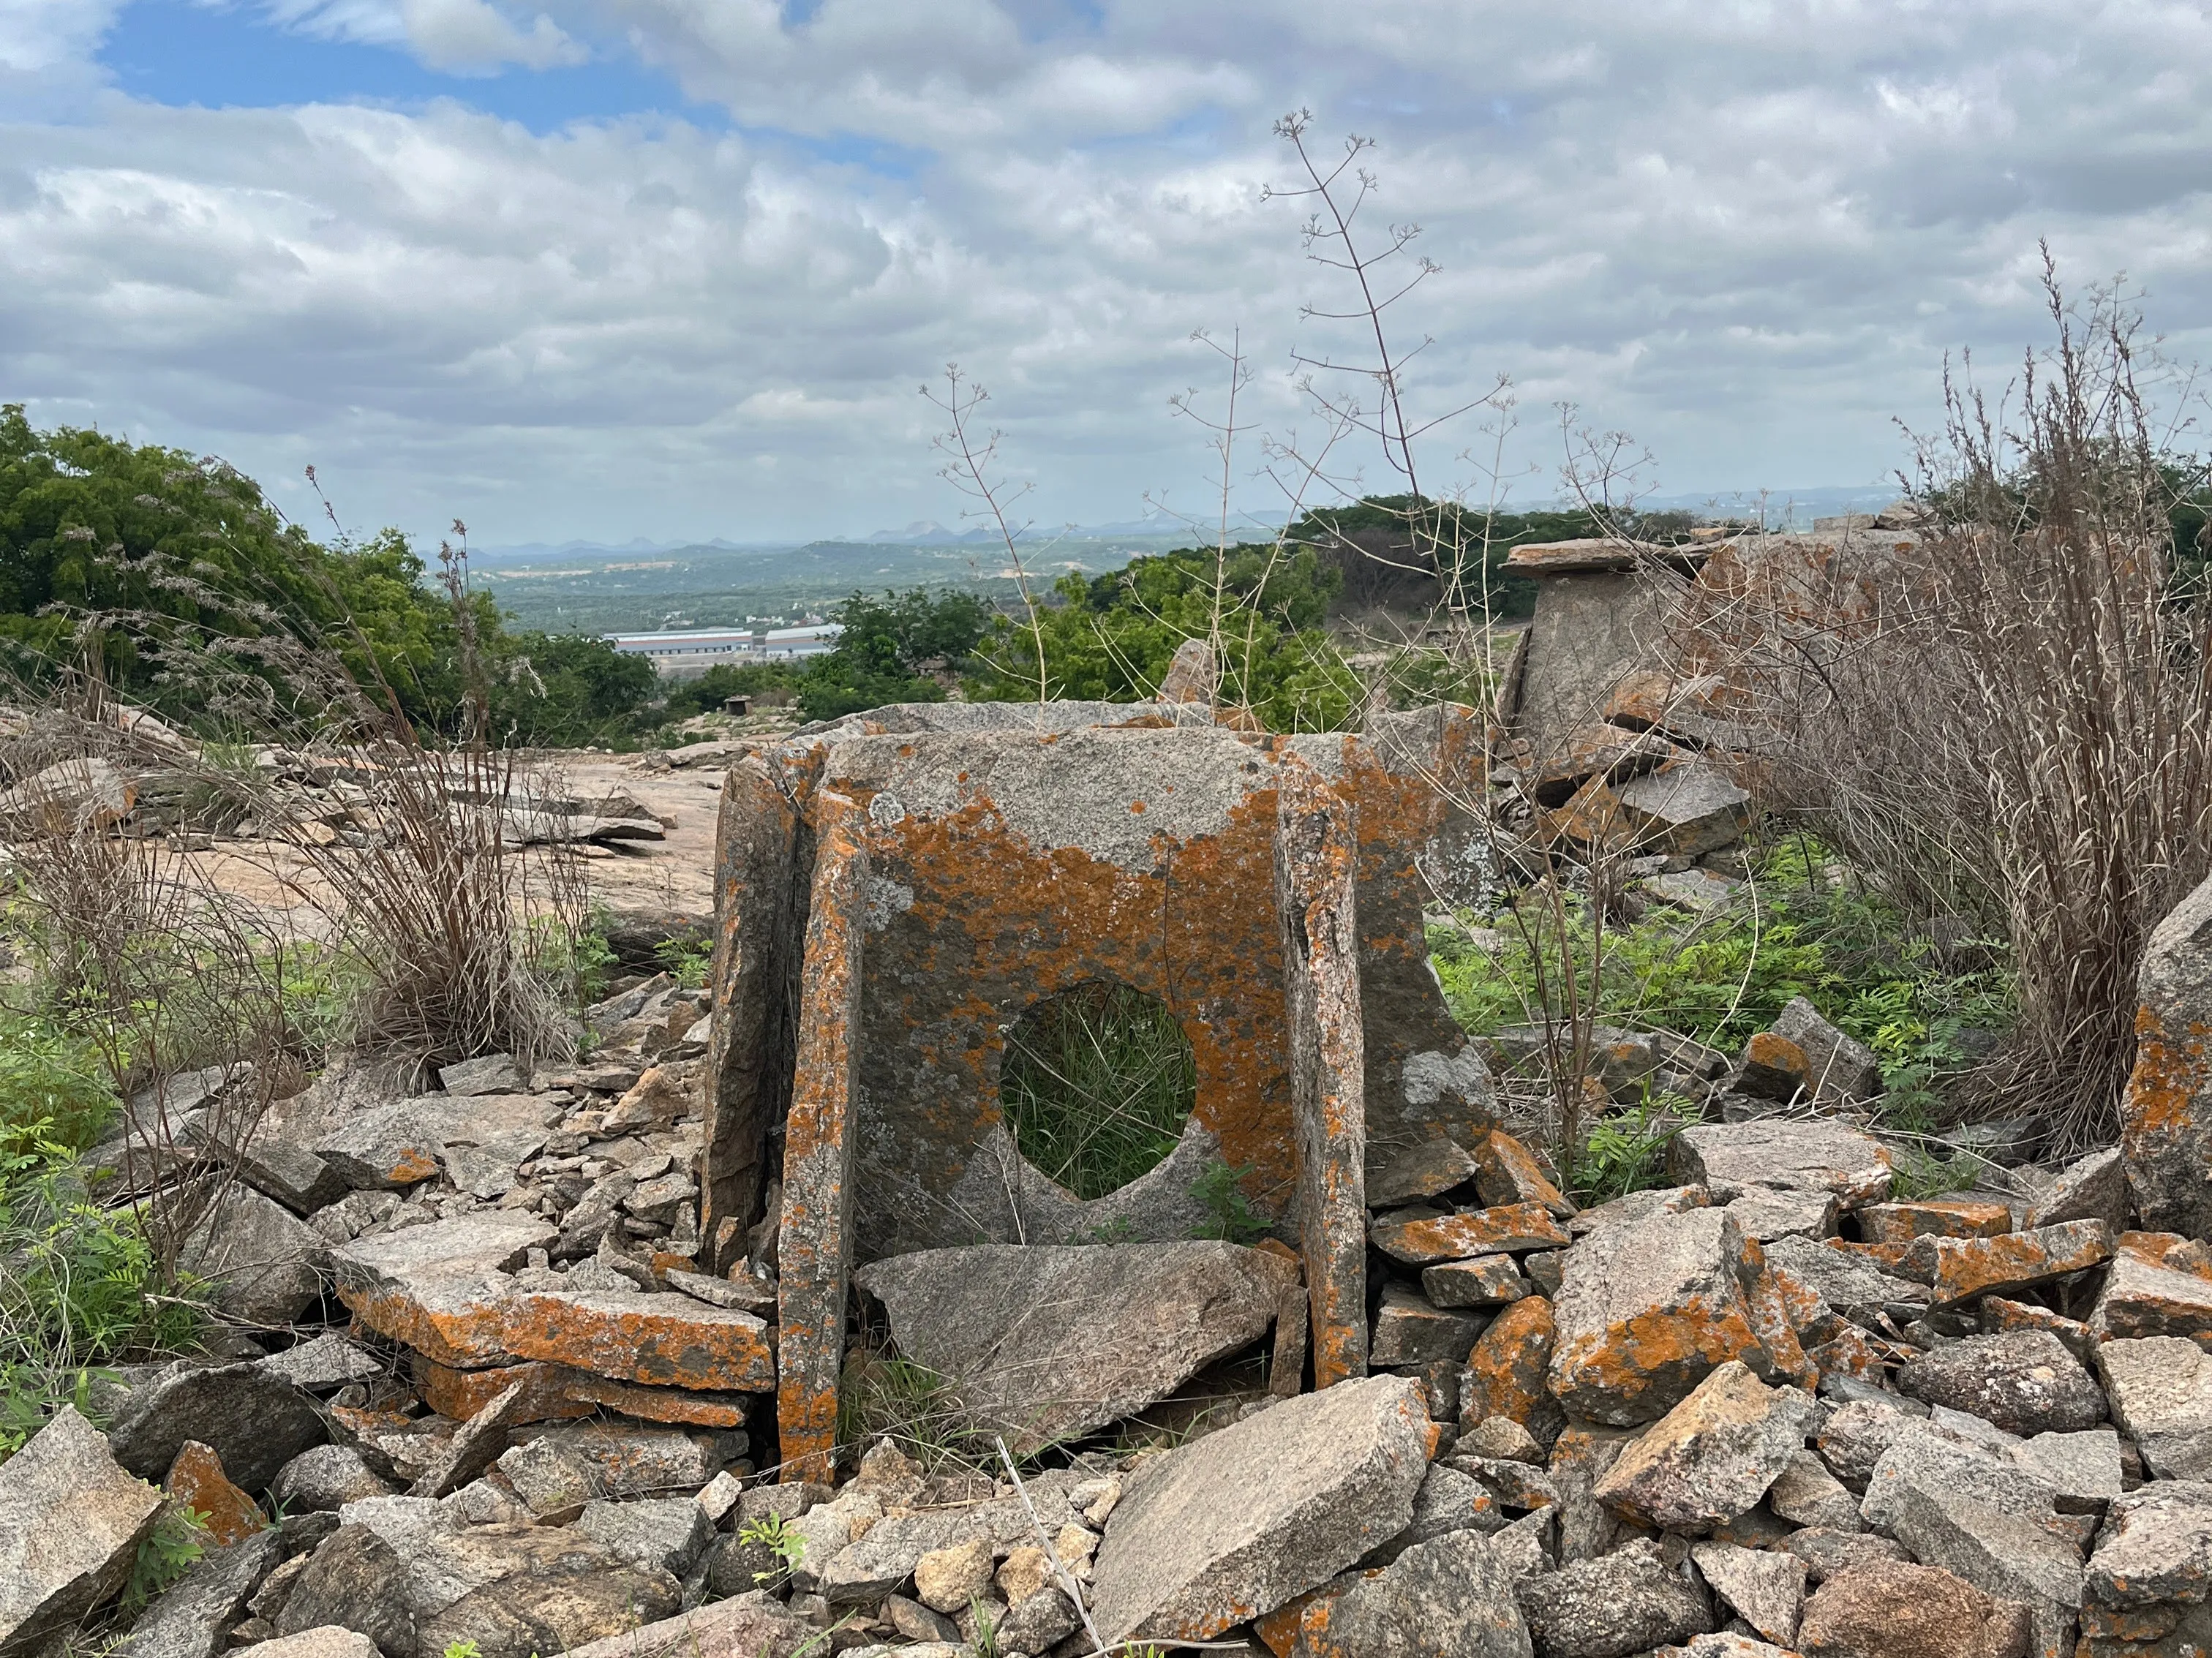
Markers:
<point>438,1288</point>
<point>661,1340</point>
<point>1784,1154</point>
<point>2160,1391</point>
<point>70,1521</point>
<point>1044,1342</point>
<point>1233,1526</point>
<point>1509,1229</point>
<point>1961,1269</point>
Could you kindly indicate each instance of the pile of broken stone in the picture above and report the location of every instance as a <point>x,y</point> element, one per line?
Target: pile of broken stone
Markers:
<point>1766,1409</point>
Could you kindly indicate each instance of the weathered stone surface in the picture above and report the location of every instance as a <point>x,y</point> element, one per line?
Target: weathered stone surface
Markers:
<point>1725,1644</point>
<point>474,1445</point>
<point>353,1581</point>
<point>1960,1269</point>
<point>1639,1206</point>
<point>193,1619</point>
<point>1947,1217</point>
<point>328,1360</point>
<point>660,1340</point>
<point>324,1478</point>
<point>662,1533</point>
<point>2142,1297</point>
<point>1647,1311</point>
<point>532,1589</point>
<point>1448,1594</point>
<point>2083,1467</point>
<point>1766,1588</point>
<point>1851,1285</point>
<point>1806,1494</point>
<point>328,1641</point>
<point>1501,1439</point>
<point>1461,1237</point>
<point>628,1459</point>
<point>1929,1461</point>
<point>747,1625</point>
<point>1039,1623</point>
<point>1712,1456</point>
<point>2009,1557</point>
<point>1506,1372</point>
<point>385,1147</point>
<point>2161,1392</point>
<point>1508,1173</point>
<point>1411,1330</point>
<point>1764,1215</point>
<point>1842,1068</point>
<point>70,1523</point>
<point>1236,1523</point>
<point>996,1319</point>
<point>1771,1068</point>
<point>561,1392</point>
<point>1688,806</point>
<point>2093,1189</point>
<point>1998,1313</point>
<point>2023,1381</point>
<point>198,1482</point>
<point>1486,1281</point>
<point>1899,1610</point>
<point>490,1073</point>
<point>254,1421</point>
<point>1826,1552</point>
<point>815,1231</point>
<point>257,1255</point>
<point>1423,1171</point>
<point>1624,1602</point>
<point>2156,1546</point>
<point>947,1579</point>
<point>1316,869</point>
<point>434,1287</point>
<point>1853,1167</point>
<point>2166,1117</point>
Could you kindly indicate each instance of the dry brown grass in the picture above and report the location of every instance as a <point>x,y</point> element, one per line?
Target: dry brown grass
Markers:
<point>2022,736</point>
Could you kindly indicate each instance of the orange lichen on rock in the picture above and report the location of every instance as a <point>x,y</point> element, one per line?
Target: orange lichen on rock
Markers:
<point>196,1481</point>
<point>1960,1269</point>
<point>1507,1173</point>
<point>1504,1230</point>
<point>1505,1373</point>
<point>666,1341</point>
<point>1951,1218</point>
<point>559,1393</point>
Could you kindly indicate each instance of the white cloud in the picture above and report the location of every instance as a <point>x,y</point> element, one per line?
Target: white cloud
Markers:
<point>1747,231</point>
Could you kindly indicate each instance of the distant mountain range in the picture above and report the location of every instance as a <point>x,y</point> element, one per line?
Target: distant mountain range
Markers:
<point>1800,506</point>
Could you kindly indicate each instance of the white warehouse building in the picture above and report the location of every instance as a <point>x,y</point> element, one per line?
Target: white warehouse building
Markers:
<point>704,646</point>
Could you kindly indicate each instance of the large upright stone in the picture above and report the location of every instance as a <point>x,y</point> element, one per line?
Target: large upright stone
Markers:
<point>1232,1526</point>
<point>259,1258</point>
<point>1786,1155</point>
<point>70,1521</point>
<point>2166,1117</point>
<point>1646,1311</point>
<point>815,1234</point>
<point>1316,863</point>
<point>1047,1342</point>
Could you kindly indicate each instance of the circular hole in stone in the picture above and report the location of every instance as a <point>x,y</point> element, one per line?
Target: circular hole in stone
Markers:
<point>1097,1084</point>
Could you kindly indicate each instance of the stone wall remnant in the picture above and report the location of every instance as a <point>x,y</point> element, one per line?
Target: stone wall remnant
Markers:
<point>897,889</point>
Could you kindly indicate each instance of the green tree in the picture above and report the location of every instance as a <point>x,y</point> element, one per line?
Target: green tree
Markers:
<point>892,650</point>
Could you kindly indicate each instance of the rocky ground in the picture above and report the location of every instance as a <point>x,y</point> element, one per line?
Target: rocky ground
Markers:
<point>1764,1410</point>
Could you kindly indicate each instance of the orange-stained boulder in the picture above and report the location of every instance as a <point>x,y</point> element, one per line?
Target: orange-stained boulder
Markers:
<point>664,1340</point>
<point>1960,1269</point>
<point>1955,1217</point>
<point>1711,1457</point>
<point>1507,1173</point>
<point>1647,1311</point>
<point>196,1481</point>
<point>1504,1230</point>
<point>1505,1373</point>
<point>2166,1116</point>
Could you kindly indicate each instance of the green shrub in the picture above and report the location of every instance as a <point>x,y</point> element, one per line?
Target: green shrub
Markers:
<point>1096,1086</point>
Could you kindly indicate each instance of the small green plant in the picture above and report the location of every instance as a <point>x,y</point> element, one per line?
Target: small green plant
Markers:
<point>1626,1151</point>
<point>165,1554</point>
<point>1097,1084</point>
<point>1120,1229</point>
<point>1228,1211</point>
<point>462,1649</point>
<point>52,1086</point>
<point>886,1397</point>
<point>986,1643</point>
<point>775,1535</point>
<point>1920,1174</point>
<point>686,960</point>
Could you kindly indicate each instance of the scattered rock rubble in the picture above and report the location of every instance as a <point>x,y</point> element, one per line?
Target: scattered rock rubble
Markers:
<point>1776,1408</point>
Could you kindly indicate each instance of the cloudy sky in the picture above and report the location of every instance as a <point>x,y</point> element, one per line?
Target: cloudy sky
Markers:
<point>676,268</point>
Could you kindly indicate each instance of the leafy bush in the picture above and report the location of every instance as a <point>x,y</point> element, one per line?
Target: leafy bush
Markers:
<point>900,648</point>
<point>1804,927</point>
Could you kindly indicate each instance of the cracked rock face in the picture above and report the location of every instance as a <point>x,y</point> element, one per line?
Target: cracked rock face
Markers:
<point>2022,1381</point>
